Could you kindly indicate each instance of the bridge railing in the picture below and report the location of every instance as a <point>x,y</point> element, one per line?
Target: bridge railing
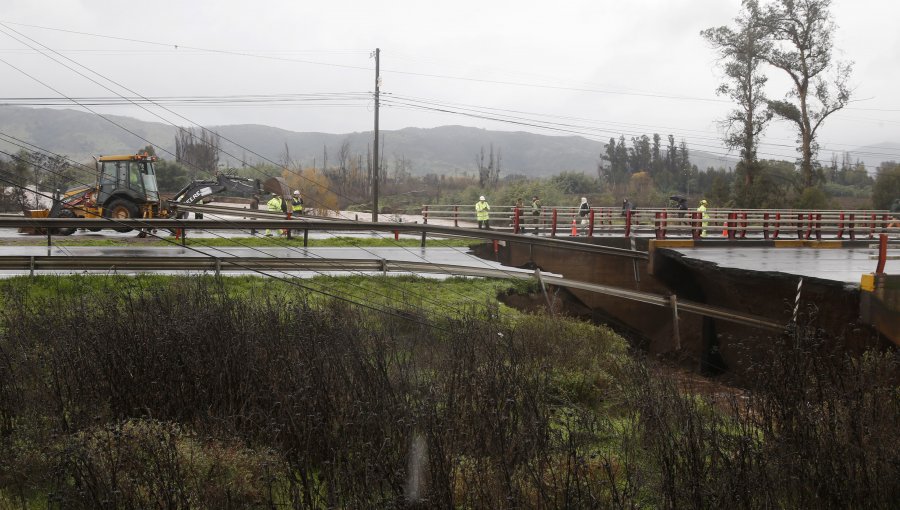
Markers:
<point>663,223</point>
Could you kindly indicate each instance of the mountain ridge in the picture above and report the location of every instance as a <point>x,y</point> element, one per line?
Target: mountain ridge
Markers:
<point>444,149</point>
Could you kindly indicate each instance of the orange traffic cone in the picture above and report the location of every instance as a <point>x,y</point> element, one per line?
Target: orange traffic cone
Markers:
<point>574,229</point>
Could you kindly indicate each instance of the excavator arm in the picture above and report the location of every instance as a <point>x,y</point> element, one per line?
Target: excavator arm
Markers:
<point>197,190</point>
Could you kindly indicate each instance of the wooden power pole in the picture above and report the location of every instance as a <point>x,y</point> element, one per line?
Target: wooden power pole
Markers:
<point>375,158</point>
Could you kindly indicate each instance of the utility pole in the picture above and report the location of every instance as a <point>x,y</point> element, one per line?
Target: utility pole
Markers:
<point>375,158</point>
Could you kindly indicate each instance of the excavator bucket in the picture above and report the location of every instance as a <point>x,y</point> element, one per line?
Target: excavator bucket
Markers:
<point>35,213</point>
<point>278,186</point>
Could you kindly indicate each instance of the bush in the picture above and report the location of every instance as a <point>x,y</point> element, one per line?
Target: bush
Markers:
<point>146,464</point>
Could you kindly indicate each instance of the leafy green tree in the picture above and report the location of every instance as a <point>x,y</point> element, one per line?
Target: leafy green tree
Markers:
<point>639,154</point>
<point>741,50</point>
<point>171,176</point>
<point>812,198</point>
<point>800,33</point>
<point>572,183</point>
<point>887,185</point>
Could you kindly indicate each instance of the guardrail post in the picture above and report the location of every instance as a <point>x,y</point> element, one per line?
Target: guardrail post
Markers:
<point>840,232</point>
<point>809,225</point>
<point>553,224</point>
<point>396,235</point>
<point>455,215</point>
<point>695,225</point>
<point>516,220</point>
<point>183,236</point>
<point>744,224</point>
<point>218,266</point>
<point>852,225</point>
<point>800,226</point>
<point>766,226</point>
<point>731,225</point>
<point>628,223</point>
<point>660,224</point>
<point>872,227</point>
<point>884,222</point>
<point>882,253</point>
<point>423,239</point>
<point>777,225</point>
<point>591,223</point>
<point>425,215</point>
<point>818,226</point>
<point>305,237</point>
<point>673,302</point>
<point>31,265</point>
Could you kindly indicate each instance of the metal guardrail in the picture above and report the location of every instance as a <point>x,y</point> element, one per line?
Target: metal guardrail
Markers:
<point>47,225</point>
<point>218,265</point>
<point>667,222</point>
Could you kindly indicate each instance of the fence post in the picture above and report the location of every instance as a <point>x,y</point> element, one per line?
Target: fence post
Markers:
<point>425,214</point>
<point>777,225</point>
<point>553,226</point>
<point>800,226</point>
<point>840,232</point>
<point>732,222</point>
<point>818,226</point>
<point>809,224</point>
<point>695,225</point>
<point>455,215</point>
<point>852,225</point>
<point>744,224</point>
<point>591,223</point>
<point>766,226</point>
<point>628,223</point>
<point>882,253</point>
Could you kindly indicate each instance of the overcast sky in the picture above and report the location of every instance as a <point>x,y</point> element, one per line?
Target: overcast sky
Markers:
<point>597,68</point>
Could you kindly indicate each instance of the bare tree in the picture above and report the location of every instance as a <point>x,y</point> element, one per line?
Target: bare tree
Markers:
<point>197,152</point>
<point>801,36</point>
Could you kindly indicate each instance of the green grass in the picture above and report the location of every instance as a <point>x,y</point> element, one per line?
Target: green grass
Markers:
<point>387,241</point>
<point>451,296</point>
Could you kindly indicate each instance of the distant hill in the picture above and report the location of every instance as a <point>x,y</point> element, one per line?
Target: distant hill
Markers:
<point>874,155</point>
<point>444,150</point>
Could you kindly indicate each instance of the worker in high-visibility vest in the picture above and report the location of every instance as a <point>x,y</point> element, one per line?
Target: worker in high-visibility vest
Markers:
<point>275,204</point>
<point>482,213</point>
<point>296,204</point>
<point>705,216</point>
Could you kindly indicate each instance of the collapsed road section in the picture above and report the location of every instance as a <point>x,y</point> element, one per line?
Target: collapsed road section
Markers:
<point>712,344</point>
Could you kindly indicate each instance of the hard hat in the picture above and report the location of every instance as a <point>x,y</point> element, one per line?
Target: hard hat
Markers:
<point>583,200</point>
<point>481,197</point>
<point>296,192</point>
<point>703,202</point>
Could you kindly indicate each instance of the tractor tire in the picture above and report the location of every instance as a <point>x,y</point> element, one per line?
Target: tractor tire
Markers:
<point>64,231</point>
<point>121,210</point>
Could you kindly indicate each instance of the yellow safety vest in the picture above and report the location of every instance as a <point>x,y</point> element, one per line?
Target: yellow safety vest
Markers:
<point>481,210</point>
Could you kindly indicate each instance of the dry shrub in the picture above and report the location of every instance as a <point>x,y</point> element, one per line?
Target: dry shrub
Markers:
<point>151,464</point>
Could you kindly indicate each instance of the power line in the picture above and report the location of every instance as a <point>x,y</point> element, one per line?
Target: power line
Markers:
<point>153,113</point>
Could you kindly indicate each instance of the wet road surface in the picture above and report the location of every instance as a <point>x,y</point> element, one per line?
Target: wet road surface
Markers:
<point>843,264</point>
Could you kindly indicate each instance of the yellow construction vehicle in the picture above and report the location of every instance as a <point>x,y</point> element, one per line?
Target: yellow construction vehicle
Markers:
<point>126,188</point>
